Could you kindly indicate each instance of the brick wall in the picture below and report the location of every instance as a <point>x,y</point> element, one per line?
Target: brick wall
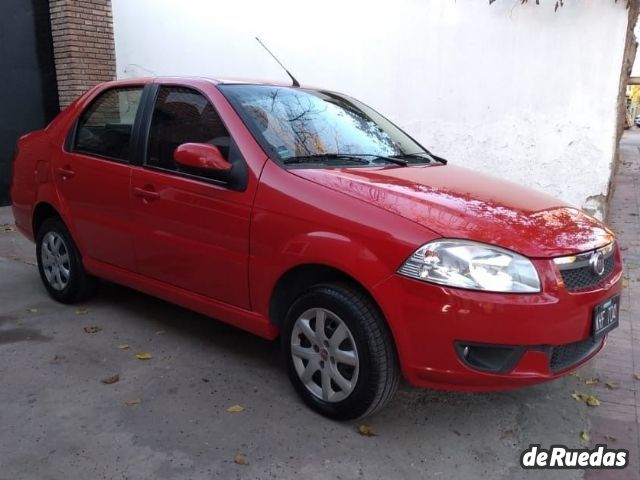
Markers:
<point>83,45</point>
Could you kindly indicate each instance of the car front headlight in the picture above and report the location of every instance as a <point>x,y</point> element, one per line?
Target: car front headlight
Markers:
<point>472,265</point>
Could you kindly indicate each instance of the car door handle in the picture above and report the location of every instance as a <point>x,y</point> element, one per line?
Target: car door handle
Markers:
<point>146,193</point>
<point>66,172</point>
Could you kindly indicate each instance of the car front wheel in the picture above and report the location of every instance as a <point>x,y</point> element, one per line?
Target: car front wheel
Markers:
<point>339,352</point>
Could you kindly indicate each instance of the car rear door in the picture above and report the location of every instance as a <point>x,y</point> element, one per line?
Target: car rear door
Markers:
<point>93,175</point>
<point>192,229</point>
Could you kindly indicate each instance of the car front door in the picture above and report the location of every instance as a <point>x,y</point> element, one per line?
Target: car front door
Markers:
<point>93,175</point>
<point>192,228</point>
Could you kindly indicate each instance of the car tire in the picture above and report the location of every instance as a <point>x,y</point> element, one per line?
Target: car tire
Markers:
<point>349,368</point>
<point>60,263</point>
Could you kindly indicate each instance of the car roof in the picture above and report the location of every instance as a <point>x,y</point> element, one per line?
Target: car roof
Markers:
<point>195,80</point>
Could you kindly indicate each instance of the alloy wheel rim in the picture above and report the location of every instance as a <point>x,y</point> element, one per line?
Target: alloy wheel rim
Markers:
<point>54,256</point>
<point>324,355</point>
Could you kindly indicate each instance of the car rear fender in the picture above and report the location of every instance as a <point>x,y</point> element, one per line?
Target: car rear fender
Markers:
<point>31,170</point>
<point>33,186</point>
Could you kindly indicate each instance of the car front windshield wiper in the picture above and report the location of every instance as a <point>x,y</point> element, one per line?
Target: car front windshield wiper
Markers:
<point>354,157</point>
<point>396,160</point>
<point>423,156</point>
<point>391,159</point>
<point>324,157</point>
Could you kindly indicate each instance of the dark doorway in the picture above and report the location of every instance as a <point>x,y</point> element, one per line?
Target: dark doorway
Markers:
<point>28,89</point>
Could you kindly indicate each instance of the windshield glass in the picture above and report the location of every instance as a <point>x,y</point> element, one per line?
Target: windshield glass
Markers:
<point>296,125</point>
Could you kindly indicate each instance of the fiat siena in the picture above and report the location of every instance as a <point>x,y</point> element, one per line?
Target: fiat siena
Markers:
<point>303,214</point>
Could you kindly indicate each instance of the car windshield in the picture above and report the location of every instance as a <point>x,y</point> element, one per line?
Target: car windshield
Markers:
<point>319,128</point>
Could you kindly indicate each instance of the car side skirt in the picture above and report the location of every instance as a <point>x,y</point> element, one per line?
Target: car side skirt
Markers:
<point>236,316</point>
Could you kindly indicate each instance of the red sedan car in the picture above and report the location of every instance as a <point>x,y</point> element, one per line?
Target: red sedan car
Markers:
<point>303,214</point>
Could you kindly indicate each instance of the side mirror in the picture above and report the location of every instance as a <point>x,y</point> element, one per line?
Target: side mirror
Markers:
<point>201,156</point>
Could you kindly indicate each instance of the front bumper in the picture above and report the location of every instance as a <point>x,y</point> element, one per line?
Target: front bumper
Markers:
<point>550,329</point>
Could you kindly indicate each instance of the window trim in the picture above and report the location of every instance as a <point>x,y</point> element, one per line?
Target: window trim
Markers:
<point>70,141</point>
<point>145,130</point>
<point>190,176</point>
<point>143,124</point>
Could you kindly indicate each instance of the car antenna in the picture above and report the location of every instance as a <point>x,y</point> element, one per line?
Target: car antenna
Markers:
<point>293,79</point>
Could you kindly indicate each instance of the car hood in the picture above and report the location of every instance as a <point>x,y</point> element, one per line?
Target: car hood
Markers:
<point>455,202</point>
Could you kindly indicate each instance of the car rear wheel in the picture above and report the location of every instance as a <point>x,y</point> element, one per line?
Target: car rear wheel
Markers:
<point>60,264</point>
<point>340,355</point>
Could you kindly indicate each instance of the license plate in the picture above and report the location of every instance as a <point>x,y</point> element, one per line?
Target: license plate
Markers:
<point>605,316</point>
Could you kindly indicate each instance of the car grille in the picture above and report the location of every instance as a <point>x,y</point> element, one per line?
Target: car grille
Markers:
<point>577,272</point>
<point>585,277</point>
<point>566,356</point>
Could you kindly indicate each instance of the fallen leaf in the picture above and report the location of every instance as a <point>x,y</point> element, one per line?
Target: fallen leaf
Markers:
<point>92,329</point>
<point>506,434</point>
<point>123,346</point>
<point>636,376</point>
<point>133,403</point>
<point>592,401</point>
<point>58,358</point>
<point>8,228</point>
<point>32,310</point>
<point>632,266</point>
<point>160,332</point>
<point>592,381</point>
<point>111,379</point>
<point>144,356</point>
<point>584,436</point>
<point>366,431</point>
<point>611,385</point>
<point>609,438</point>
<point>235,409</point>
<point>240,459</point>
<point>625,282</point>
<point>81,311</point>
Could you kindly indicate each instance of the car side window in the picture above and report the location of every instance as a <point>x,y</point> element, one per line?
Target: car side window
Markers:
<point>182,115</point>
<point>105,127</point>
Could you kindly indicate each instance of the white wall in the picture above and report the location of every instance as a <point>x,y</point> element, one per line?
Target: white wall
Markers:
<point>517,90</point>
<point>635,71</point>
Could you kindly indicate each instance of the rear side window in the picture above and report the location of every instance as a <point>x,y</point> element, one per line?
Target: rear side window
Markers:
<point>104,129</point>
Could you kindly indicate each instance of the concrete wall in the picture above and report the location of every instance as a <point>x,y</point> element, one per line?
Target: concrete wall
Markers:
<point>517,90</point>
<point>635,70</point>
